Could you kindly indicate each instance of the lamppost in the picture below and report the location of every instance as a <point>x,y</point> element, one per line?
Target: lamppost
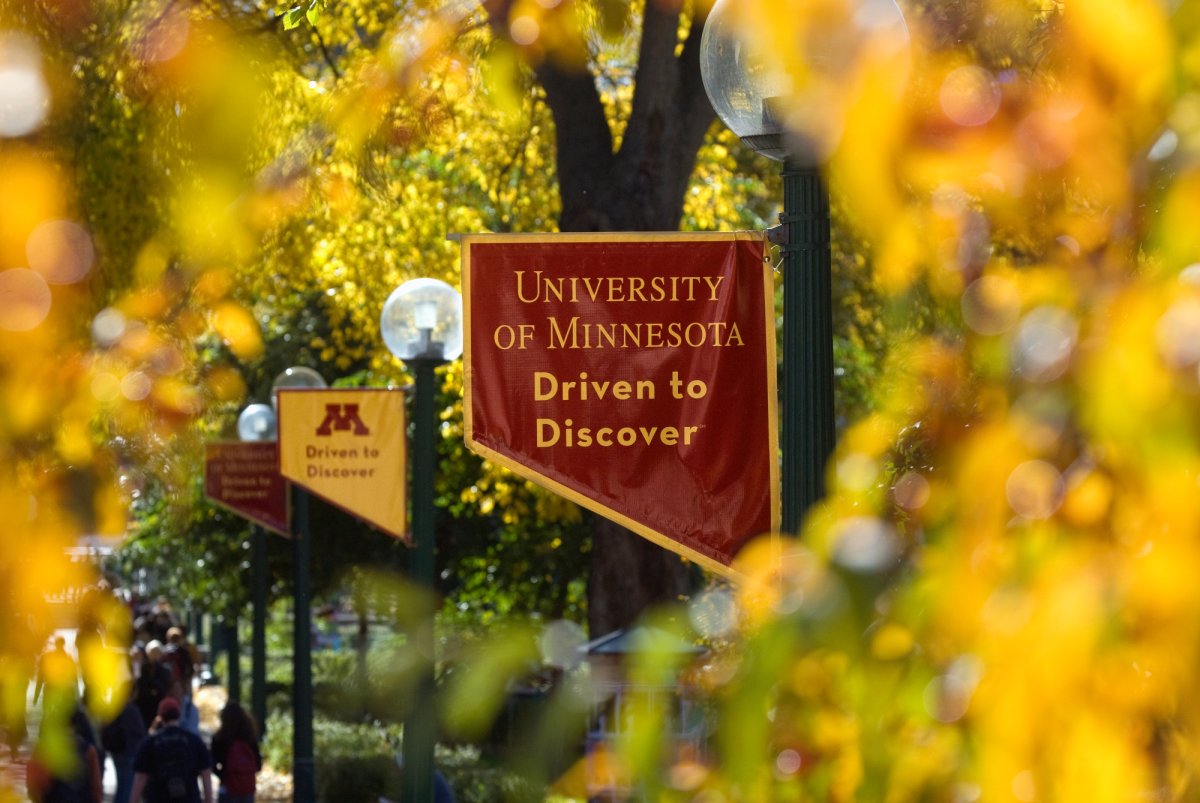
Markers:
<point>303,777</point>
<point>422,325</point>
<point>257,423</point>
<point>757,99</point>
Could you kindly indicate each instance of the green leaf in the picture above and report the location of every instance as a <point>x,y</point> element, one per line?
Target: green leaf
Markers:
<point>313,13</point>
<point>291,17</point>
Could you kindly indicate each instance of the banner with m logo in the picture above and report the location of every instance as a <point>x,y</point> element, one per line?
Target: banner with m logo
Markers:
<point>349,447</point>
<point>344,418</point>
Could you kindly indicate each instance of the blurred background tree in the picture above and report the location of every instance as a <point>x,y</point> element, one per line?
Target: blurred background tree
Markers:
<point>995,602</point>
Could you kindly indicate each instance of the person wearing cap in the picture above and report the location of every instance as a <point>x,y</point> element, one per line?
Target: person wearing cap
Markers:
<point>172,765</point>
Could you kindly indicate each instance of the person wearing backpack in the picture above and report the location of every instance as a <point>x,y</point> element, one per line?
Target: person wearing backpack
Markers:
<point>172,765</point>
<point>236,758</point>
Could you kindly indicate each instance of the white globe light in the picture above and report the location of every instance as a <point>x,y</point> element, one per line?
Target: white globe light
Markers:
<point>298,376</point>
<point>423,319</point>
<point>257,423</point>
<point>738,81</point>
<point>787,103</point>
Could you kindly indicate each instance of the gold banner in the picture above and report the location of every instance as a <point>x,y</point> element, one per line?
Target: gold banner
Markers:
<point>349,447</point>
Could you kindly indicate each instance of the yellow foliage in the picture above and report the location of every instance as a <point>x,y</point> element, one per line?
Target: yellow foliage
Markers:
<point>1045,450</point>
<point>108,292</point>
<point>31,193</point>
<point>1142,76</point>
<point>239,330</point>
<point>1031,628</point>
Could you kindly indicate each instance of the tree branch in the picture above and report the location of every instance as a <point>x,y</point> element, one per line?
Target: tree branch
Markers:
<point>337,74</point>
<point>657,77</point>
<point>583,138</point>
<point>583,141</point>
<point>696,109</point>
<point>668,122</point>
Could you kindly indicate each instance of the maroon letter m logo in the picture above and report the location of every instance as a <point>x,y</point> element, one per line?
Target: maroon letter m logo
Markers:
<point>342,417</point>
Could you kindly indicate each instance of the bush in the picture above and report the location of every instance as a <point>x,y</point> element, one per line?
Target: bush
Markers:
<point>475,781</point>
<point>353,763</point>
<point>357,779</point>
<point>357,762</point>
<point>338,687</point>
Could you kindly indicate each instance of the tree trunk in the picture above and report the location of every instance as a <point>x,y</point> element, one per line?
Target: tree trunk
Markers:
<point>640,187</point>
<point>628,575</point>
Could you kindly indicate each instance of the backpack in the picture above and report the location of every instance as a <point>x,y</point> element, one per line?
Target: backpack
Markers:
<point>241,765</point>
<point>175,770</point>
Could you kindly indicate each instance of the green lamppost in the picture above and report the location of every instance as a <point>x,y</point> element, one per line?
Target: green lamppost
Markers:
<point>303,775</point>
<point>758,101</point>
<point>257,423</point>
<point>422,325</point>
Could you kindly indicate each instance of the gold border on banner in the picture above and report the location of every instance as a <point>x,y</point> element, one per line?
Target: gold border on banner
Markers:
<point>520,469</point>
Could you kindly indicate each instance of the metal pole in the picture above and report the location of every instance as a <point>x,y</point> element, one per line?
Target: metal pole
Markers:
<point>233,652</point>
<point>304,783</point>
<point>258,638</point>
<point>216,637</point>
<point>808,417</point>
<point>419,727</point>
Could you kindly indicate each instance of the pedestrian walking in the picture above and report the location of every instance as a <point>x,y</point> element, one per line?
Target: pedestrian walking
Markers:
<point>162,618</point>
<point>81,724</point>
<point>236,756</point>
<point>151,681</point>
<point>172,765</point>
<point>17,668</point>
<point>189,716</point>
<point>74,781</point>
<point>56,673</point>
<point>121,738</point>
<point>180,656</point>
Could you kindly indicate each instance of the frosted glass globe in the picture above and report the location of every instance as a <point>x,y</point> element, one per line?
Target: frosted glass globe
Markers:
<point>789,101</point>
<point>423,319</point>
<point>257,423</point>
<point>298,376</point>
<point>739,80</point>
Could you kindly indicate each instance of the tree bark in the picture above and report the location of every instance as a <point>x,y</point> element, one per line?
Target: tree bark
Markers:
<point>640,187</point>
<point>628,575</point>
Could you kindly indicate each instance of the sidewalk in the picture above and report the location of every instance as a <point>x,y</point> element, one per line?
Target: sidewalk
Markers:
<point>209,700</point>
<point>273,787</point>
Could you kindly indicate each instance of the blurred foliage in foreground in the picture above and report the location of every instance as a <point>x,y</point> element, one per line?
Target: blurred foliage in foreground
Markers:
<point>996,602</point>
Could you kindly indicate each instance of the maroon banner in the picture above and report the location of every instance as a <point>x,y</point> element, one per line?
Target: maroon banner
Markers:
<point>244,477</point>
<point>633,374</point>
